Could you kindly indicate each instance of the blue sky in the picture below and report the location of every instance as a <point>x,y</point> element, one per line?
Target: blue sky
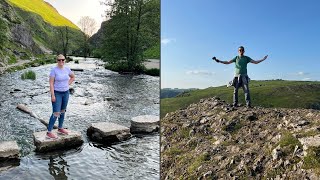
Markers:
<point>192,32</point>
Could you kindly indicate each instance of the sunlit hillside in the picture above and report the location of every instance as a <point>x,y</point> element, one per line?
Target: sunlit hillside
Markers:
<point>45,10</point>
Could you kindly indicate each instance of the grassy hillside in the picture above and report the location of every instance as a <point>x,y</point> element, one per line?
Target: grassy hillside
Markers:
<point>275,93</point>
<point>170,93</point>
<point>45,10</point>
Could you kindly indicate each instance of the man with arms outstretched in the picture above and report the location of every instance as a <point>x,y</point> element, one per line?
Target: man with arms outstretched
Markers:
<point>241,78</point>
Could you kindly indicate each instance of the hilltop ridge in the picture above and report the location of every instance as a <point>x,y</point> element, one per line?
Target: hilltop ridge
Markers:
<point>265,93</point>
<point>212,140</point>
<point>45,10</point>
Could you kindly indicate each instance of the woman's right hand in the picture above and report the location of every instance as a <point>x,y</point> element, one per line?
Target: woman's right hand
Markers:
<point>53,98</point>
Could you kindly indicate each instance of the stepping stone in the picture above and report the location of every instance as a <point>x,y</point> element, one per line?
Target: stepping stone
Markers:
<point>43,144</point>
<point>9,150</point>
<point>105,132</point>
<point>145,124</point>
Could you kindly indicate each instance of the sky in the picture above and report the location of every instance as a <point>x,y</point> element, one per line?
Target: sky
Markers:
<point>192,32</point>
<point>75,9</point>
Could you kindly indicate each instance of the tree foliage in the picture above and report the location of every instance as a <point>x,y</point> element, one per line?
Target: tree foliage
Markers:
<point>133,26</point>
<point>60,41</point>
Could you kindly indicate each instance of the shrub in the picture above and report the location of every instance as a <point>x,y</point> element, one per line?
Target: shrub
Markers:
<point>12,59</point>
<point>152,72</point>
<point>28,75</point>
<point>76,61</point>
<point>69,59</point>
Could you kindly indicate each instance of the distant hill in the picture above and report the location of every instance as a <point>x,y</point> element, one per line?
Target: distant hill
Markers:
<point>30,28</point>
<point>169,92</point>
<point>273,93</point>
<point>45,10</point>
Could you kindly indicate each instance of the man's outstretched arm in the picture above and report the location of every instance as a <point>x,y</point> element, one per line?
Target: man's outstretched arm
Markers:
<point>223,62</point>
<point>259,61</point>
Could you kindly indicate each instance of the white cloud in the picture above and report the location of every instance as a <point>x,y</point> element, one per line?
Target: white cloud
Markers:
<point>200,72</point>
<point>302,73</point>
<point>306,79</point>
<point>165,41</point>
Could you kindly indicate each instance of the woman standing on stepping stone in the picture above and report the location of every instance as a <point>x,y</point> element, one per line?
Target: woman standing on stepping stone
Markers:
<point>60,79</point>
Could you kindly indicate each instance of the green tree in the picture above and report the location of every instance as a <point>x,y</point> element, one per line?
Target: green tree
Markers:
<point>132,27</point>
<point>60,40</point>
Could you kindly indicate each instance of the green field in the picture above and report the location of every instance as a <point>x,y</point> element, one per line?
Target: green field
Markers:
<point>273,93</point>
<point>47,12</point>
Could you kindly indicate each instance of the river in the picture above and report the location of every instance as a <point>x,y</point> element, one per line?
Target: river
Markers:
<point>100,96</point>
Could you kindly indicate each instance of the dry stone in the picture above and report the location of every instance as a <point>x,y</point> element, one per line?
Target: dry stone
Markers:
<point>145,124</point>
<point>9,150</point>
<point>313,141</point>
<point>43,144</point>
<point>106,132</point>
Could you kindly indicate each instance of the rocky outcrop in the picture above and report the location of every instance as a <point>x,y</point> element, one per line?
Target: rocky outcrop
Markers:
<point>145,124</point>
<point>43,144</point>
<point>107,133</point>
<point>212,140</point>
<point>22,35</point>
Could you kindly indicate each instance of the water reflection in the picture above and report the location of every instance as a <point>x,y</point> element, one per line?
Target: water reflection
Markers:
<point>58,167</point>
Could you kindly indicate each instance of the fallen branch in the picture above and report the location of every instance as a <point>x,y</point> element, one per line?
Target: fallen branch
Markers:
<point>25,109</point>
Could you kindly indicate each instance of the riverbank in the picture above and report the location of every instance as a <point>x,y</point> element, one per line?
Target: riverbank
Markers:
<point>149,67</point>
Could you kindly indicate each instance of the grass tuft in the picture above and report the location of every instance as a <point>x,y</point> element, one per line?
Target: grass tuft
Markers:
<point>28,75</point>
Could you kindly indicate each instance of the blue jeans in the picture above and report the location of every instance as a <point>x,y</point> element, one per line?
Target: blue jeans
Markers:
<point>241,82</point>
<point>58,108</point>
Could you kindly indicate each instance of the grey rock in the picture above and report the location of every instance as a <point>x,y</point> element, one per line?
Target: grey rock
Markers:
<point>251,117</point>
<point>207,174</point>
<point>276,152</point>
<point>310,141</point>
<point>88,102</point>
<point>303,123</point>
<point>204,120</point>
<point>9,150</point>
<point>145,124</point>
<point>106,132</point>
<point>43,144</point>
<point>108,99</point>
<point>191,132</point>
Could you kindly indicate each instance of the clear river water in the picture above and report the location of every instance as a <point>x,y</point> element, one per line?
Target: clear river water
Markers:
<point>100,96</point>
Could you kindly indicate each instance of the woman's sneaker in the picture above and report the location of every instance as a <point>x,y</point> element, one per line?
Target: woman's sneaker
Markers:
<point>50,135</point>
<point>63,131</point>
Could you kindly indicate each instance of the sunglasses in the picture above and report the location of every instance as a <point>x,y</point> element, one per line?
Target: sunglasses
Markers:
<point>60,60</point>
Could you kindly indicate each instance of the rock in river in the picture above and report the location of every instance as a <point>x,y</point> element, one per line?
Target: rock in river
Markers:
<point>106,132</point>
<point>73,139</point>
<point>9,150</point>
<point>145,124</point>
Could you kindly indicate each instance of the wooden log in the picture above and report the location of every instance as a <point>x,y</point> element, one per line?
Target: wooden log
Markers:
<point>76,69</point>
<point>25,109</point>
